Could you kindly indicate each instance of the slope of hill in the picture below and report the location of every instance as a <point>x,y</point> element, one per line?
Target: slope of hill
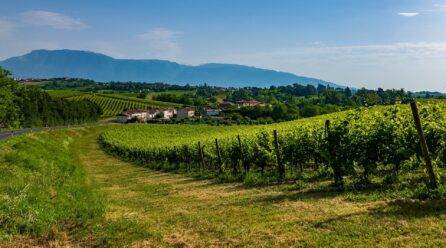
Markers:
<point>99,67</point>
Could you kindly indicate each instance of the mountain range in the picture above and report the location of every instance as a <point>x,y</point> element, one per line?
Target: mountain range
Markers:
<point>100,67</point>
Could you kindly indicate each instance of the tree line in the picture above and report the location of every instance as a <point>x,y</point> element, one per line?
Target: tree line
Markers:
<point>29,106</point>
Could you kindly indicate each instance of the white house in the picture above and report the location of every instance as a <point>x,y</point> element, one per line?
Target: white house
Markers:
<point>168,113</point>
<point>126,116</point>
<point>185,113</point>
<point>150,115</point>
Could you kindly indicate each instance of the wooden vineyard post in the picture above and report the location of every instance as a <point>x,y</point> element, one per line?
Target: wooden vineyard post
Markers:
<point>220,163</point>
<point>176,162</point>
<point>332,151</point>
<point>187,157</point>
<point>240,148</point>
<point>200,155</point>
<point>327,128</point>
<point>281,166</point>
<point>424,149</point>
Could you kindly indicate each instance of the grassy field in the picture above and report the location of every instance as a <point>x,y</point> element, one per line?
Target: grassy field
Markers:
<point>65,93</point>
<point>154,209</point>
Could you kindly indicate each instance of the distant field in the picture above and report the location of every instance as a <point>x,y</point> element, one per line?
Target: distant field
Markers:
<point>65,93</point>
<point>113,104</point>
<point>175,92</point>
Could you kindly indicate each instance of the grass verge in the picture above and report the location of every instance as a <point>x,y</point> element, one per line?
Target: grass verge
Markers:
<point>45,194</point>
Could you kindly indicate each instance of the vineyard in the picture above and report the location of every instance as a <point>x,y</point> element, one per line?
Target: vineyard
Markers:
<point>114,104</point>
<point>364,146</point>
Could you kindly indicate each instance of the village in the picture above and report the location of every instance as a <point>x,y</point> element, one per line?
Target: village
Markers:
<point>163,114</point>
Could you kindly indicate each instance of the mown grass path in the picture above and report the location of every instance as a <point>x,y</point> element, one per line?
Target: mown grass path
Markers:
<point>165,210</point>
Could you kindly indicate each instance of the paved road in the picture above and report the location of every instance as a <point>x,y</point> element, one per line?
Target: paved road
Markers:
<point>7,134</point>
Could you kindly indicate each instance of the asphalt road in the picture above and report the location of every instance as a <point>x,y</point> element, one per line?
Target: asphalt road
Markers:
<point>7,134</point>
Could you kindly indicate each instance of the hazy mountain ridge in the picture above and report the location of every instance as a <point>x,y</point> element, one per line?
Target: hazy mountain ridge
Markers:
<point>100,67</point>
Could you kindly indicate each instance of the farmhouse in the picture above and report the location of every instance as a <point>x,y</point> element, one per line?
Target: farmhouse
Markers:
<point>128,115</point>
<point>168,113</point>
<point>151,114</point>
<point>185,113</point>
<point>145,115</point>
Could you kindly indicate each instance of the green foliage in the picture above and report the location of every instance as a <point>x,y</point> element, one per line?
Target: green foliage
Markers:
<point>9,111</point>
<point>29,106</point>
<point>186,98</point>
<point>64,93</point>
<point>142,95</point>
<point>43,190</point>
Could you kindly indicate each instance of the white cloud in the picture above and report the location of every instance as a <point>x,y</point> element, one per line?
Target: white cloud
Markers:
<point>408,14</point>
<point>435,8</point>
<point>163,43</point>
<point>440,6</point>
<point>51,19</point>
<point>6,27</point>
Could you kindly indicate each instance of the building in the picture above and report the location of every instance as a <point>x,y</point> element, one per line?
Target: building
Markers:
<point>211,112</point>
<point>136,114</point>
<point>185,113</point>
<point>151,114</point>
<point>248,103</point>
<point>168,113</point>
<point>226,105</point>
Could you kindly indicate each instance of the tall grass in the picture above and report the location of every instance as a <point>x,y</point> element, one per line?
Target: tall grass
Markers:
<point>44,192</point>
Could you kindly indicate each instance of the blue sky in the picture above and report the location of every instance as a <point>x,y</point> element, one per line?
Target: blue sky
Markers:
<point>379,43</point>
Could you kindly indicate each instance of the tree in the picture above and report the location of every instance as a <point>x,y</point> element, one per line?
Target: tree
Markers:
<point>279,111</point>
<point>348,92</point>
<point>159,115</point>
<point>9,112</point>
<point>142,95</point>
<point>29,106</point>
<point>321,88</point>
